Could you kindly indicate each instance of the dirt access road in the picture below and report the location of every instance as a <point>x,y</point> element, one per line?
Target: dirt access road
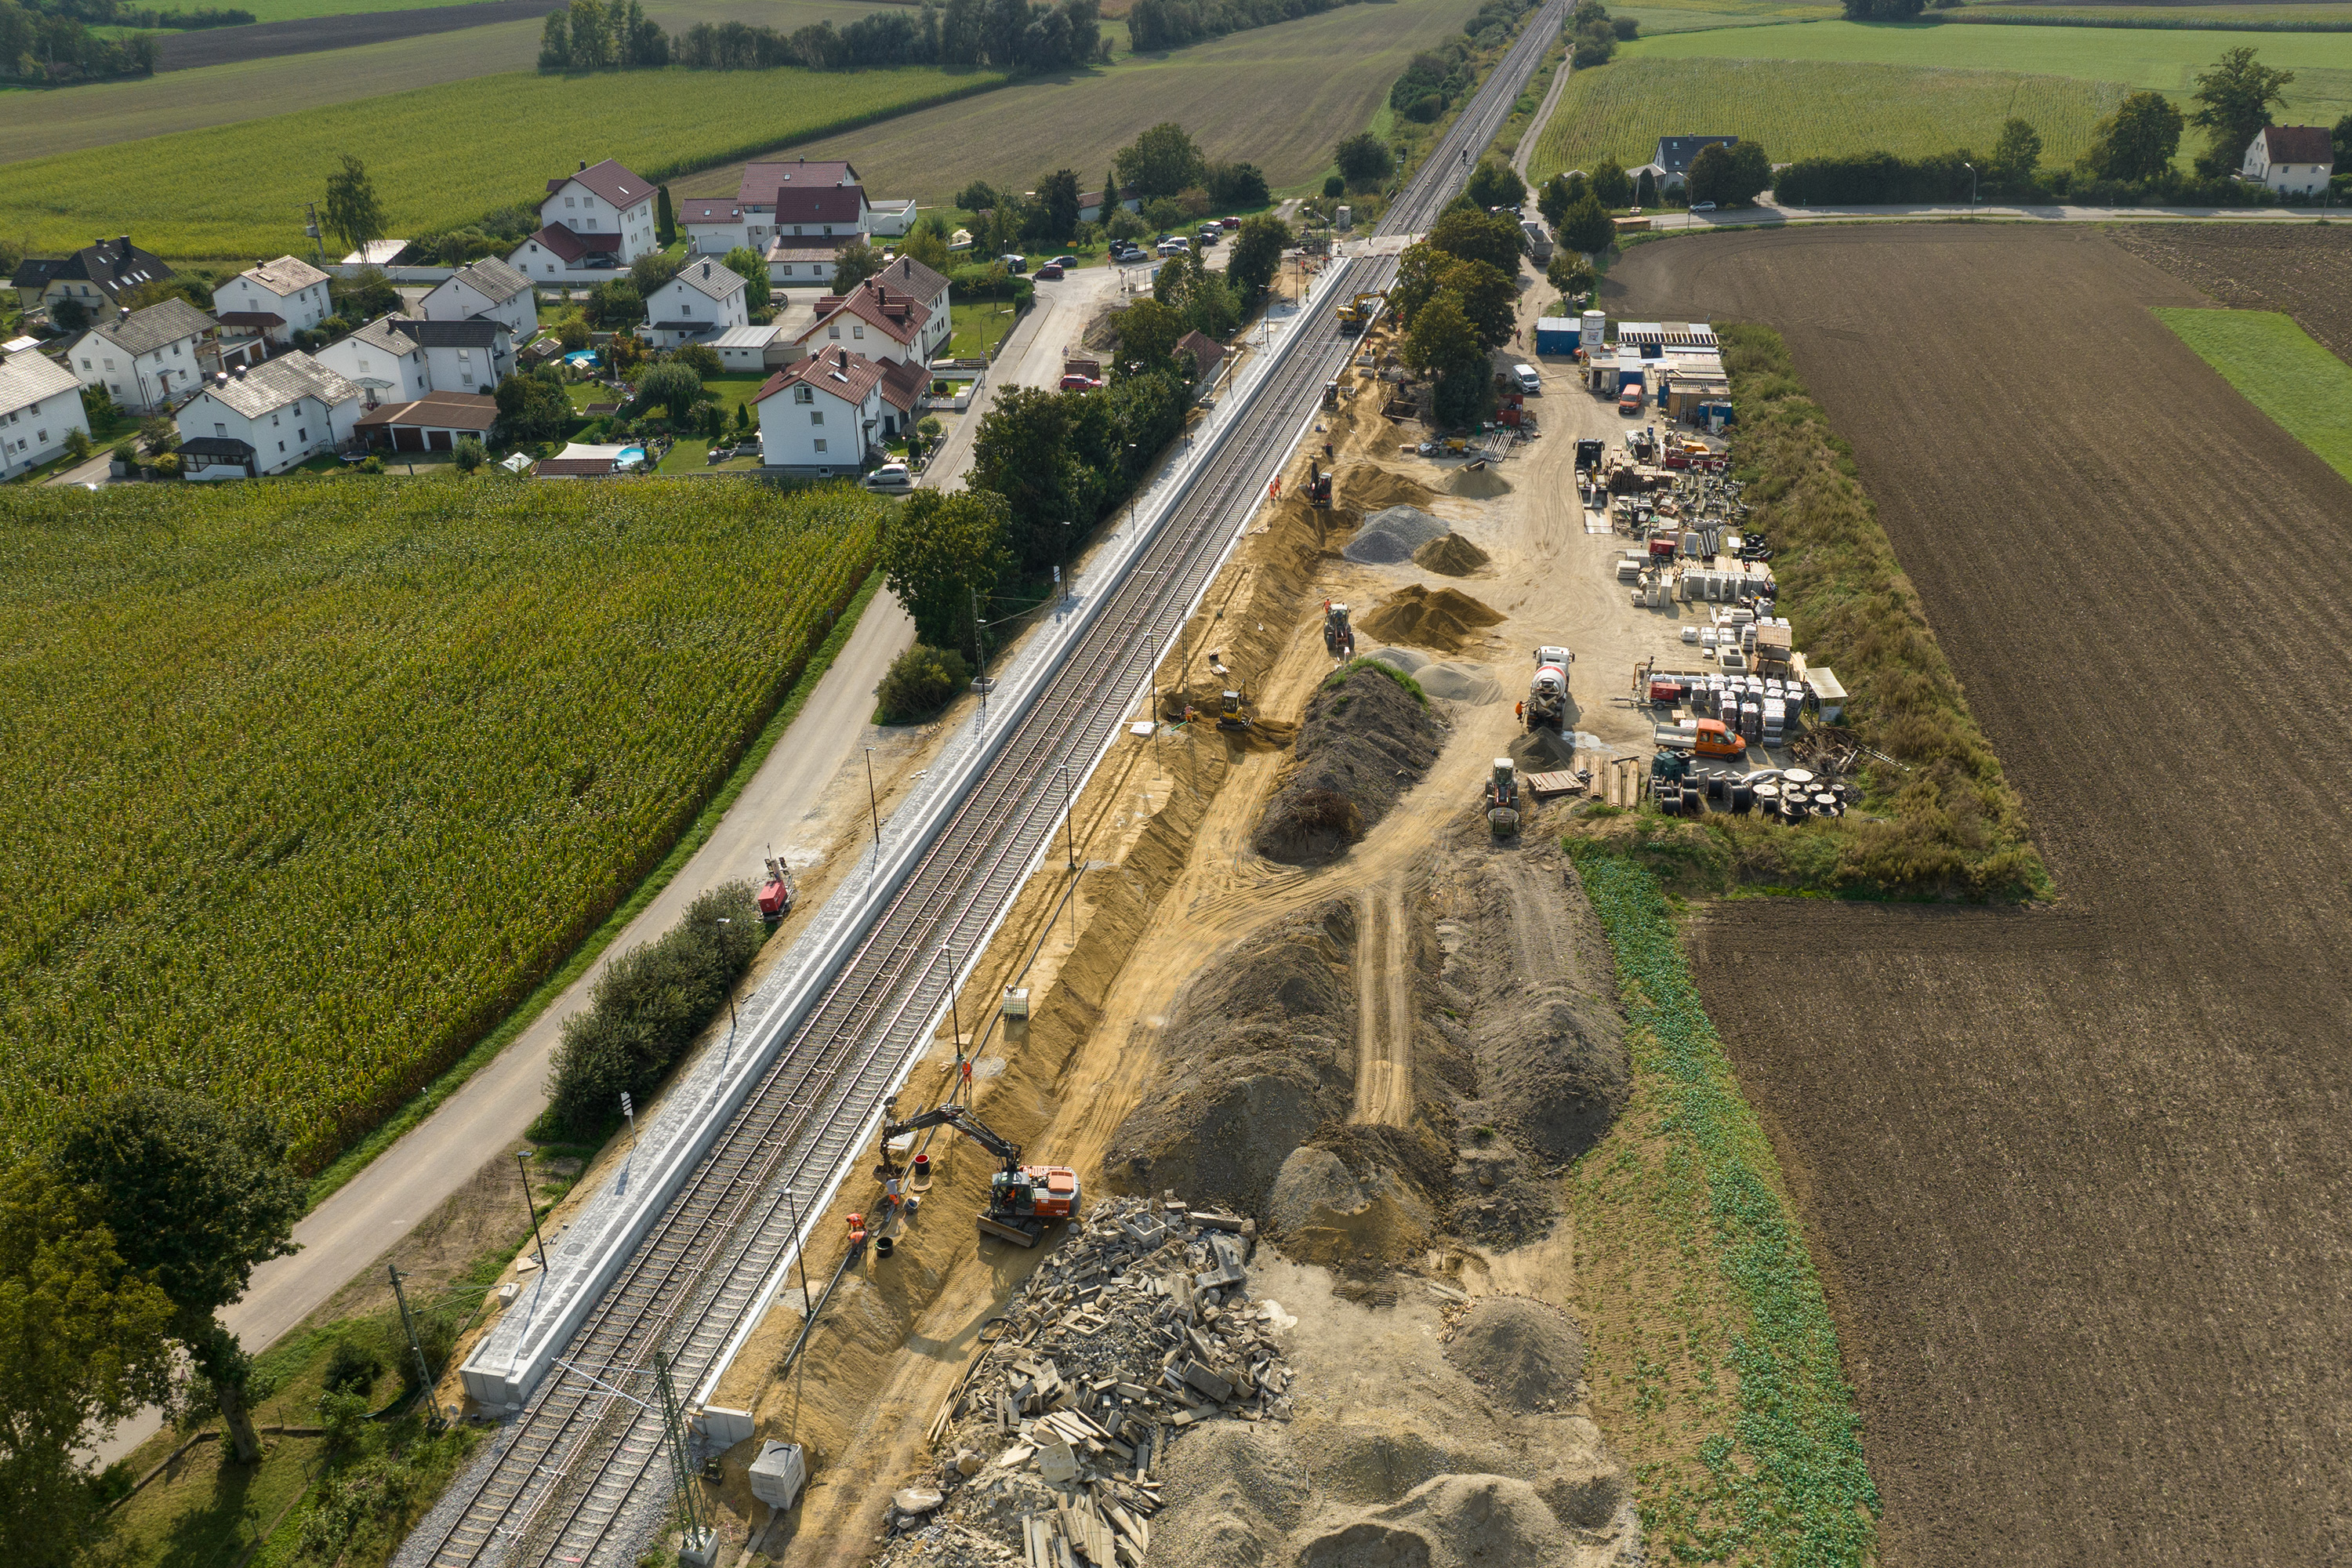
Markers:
<point>2077,1178</point>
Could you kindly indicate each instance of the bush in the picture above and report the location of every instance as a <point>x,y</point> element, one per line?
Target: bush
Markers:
<point>354,1368</point>
<point>701,358</point>
<point>371,464</point>
<point>126,451</point>
<point>470,454</point>
<point>920,682</point>
<point>1334,187</point>
<point>167,467</point>
<point>78,444</point>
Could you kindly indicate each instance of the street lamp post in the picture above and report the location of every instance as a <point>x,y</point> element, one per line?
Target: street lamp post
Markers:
<point>730,991</point>
<point>873,803</point>
<point>522,1165</point>
<point>1971,168</point>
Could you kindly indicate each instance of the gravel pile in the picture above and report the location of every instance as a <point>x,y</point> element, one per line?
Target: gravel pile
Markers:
<point>1137,1329</point>
<point>1391,536</point>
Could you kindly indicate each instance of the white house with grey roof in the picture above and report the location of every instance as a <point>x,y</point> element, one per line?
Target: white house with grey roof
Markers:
<point>265,419</point>
<point>40,406</point>
<point>396,359</point>
<point>1670,162</point>
<point>705,299</point>
<point>145,359</point>
<point>275,299</point>
<point>486,287</point>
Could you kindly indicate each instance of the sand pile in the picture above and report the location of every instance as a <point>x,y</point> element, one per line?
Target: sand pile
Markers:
<point>1364,741</point>
<point>1445,620</point>
<point>1468,684</point>
<point>1390,535</point>
<point>1450,556</point>
<point>1368,486</point>
<point>1525,1352</point>
<point>1482,483</point>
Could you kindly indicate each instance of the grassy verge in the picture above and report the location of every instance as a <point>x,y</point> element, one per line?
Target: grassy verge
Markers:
<point>979,325</point>
<point>1940,819</point>
<point>2280,370</point>
<point>431,1098</point>
<point>1727,1393</point>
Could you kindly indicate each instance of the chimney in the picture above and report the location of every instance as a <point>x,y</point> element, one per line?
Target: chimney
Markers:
<point>240,373</point>
<point>122,312</point>
<point>584,166</point>
<point>706,269</point>
<point>220,378</point>
<point>124,241</point>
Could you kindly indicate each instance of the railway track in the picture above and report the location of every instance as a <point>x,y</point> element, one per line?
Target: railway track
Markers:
<point>573,1480</point>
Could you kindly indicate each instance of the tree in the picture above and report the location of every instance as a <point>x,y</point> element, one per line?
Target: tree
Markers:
<point>531,408</point>
<point>1022,452</point>
<point>1494,238</point>
<point>2342,137</point>
<point>197,1194</point>
<point>615,303</point>
<point>2136,141</point>
<point>83,1343</point>
<point>1441,342</point>
<point>653,270</point>
<point>469,455</point>
<point>555,42</point>
<point>1161,162</point>
<point>1147,334</point>
<point>1256,256</point>
<point>1552,200</point>
<point>1569,273</point>
<point>854,263</point>
<point>700,358</point>
<point>1495,183</point>
<point>68,315</point>
<point>1587,227</point>
<point>929,248</point>
<point>921,681</point>
<point>1610,184</point>
<point>354,216</point>
<point>365,295</point>
<point>939,550</point>
<point>2234,101</point>
<point>670,385</point>
<point>1645,189</point>
<point>1058,195</point>
<point>1363,161</point>
<point>751,266</point>
<point>2016,156</point>
<point>97,407</point>
<point>1729,176</point>
<point>665,220</point>
<point>1334,187</point>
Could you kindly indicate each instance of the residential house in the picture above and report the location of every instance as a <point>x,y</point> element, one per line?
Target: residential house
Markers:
<point>2293,160</point>
<point>880,322</point>
<point>905,274</point>
<point>600,218</point>
<point>487,288</point>
<point>146,358</point>
<point>1670,162</point>
<point>436,422</point>
<point>713,225</point>
<point>704,299</point>
<point>756,193</point>
<point>272,301</point>
<point>1206,354</point>
<point>94,278</point>
<point>265,419</point>
<point>800,262</point>
<point>829,411</point>
<point>1090,203</point>
<point>889,217</point>
<point>811,226</point>
<point>40,406</point>
<point>744,349</point>
<point>395,359</point>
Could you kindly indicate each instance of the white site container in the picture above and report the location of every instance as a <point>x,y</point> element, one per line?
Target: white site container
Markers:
<point>778,1474</point>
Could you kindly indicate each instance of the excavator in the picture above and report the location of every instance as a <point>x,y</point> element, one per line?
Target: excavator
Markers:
<point>1023,1200</point>
<point>1338,636</point>
<point>1319,484</point>
<point>1357,313</point>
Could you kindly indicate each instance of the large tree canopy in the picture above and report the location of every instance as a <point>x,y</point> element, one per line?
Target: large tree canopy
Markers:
<point>2234,101</point>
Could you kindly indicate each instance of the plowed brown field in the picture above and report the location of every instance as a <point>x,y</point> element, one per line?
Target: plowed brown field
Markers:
<point>2077,1178</point>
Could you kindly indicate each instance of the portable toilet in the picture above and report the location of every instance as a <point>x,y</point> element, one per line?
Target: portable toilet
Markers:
<point>1343,217</point>
<point>1556,335</point>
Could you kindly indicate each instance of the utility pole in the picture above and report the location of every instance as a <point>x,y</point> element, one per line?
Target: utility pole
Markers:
<point>311,228</point>
<point>873,805</point>
<point>697,1545</point>
<point>425,1380</point>
<point>522,1157</point>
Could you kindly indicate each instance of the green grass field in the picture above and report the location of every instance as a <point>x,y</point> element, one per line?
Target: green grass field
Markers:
<point>1799,109</point>
<point>312,781</point>
<point>439,156</point>
<point>1657,19</point>
<point>2279,370</point>
<point>2318,16</point>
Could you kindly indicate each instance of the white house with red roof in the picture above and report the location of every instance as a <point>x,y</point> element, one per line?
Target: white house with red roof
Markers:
<point>756,193</point>
<point>2293,160</point>
<point>598,218</point>
<point>713,225</point>
<point>833,409</point>
<point>880,322</point>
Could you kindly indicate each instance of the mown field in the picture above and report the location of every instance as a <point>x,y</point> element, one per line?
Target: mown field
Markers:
<point>2277,367</point>
<point>38,124</point>
<point>440,156</point>
<point>1279,97</point>
<point>2318,15</point>
<point>311,782</point>
<point>1802,109</point>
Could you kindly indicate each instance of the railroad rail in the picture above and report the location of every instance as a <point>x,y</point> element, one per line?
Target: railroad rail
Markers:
<point>573,1478</point>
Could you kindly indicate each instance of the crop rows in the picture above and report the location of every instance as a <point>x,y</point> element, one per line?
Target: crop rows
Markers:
<point>311,782</point>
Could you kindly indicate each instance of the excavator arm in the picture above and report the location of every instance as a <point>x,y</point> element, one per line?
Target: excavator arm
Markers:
<point>962,1120</point>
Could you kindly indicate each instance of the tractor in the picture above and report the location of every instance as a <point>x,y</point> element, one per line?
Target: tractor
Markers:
<point>1338,636</point>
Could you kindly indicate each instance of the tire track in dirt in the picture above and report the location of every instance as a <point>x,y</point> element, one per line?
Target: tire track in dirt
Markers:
<point>2074,1177</point>
<point>1384,1009</point>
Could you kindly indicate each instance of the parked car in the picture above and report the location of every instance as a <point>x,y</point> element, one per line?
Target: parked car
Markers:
<point>1015,264</point>
<point>890,477</point>
<point>1702,206</point>
<point>1210,233</point>
<point>1525,374</point>
<point>1051,272</point>
<point>1074,381</point>
<point>1174,247</point>
<point>1065,262</point>
<point>1229,223</point>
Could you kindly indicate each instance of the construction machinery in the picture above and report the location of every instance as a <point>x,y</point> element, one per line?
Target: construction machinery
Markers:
<point>1319,484</point>
<point>1358,313</point>
<point>1230,715</point>
<point>1023,1200</point>
<point>1548,690</point>
<point>1503,799</point>
<point>1338,636</point>
<point>776,893</point>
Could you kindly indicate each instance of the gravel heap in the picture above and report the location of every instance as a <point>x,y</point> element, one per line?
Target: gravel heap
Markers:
<point>1136,1329</point>
<point>1390,536</point>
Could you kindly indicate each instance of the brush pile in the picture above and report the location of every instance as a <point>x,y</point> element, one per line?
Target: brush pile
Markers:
<point>1136,1328</point>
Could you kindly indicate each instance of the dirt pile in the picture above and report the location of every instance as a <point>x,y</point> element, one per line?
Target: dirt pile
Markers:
<point>1482,483</point>
<point>1390,535</point>
<point>1525,1352</point>
<point>1451,555</point>
<point>1445,620</point>
<point>1364,741</point>
<point>1259,1051</point>
<point>1474,684</point>
<point>1368,486</point>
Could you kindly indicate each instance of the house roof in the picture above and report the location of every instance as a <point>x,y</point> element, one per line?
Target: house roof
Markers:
<point>1674,153</point>
<point>834,371</point>
<point>746,337</point>
<point>437,411</point>
<point>286,275</point>
<point>257,320</point>
<point>385,334</point>
<point>227,447</point>
<point>711,278</point>
<point>166,322</point>
<point>710,209</point>
<point>1206,352</point>
<point>276,383</point>
<point>906,273</point>
<point>903,383</point>
<point>112,265</point>
<point>761,181</point>
<point>28,378</point>
<point>2299,144</point>
<point>610,179</point>
<point>891,311</point>
<point>376,253</point>
<point>836,205</point>
<point>491,279</point>
<point>473,332</point>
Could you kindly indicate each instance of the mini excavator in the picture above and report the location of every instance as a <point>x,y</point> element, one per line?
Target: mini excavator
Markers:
<point>1023,1200</point>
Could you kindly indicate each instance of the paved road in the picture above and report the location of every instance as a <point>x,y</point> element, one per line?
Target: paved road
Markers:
<point>1032,355</point>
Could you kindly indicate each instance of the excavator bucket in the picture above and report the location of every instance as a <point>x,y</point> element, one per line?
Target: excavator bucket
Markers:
<point>1011,1233</point>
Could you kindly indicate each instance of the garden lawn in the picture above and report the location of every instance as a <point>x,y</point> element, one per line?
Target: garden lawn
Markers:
<point>2280,370</point>
<point>978,326</point>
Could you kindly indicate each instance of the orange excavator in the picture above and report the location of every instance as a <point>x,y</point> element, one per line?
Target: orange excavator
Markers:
<point>1023,1200</point>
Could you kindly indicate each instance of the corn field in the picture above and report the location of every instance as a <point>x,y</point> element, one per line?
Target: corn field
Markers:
<point>1802,109</point>
<point>310,782</point>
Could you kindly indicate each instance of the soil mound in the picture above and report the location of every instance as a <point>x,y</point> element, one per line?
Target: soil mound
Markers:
<point>1364,741</point>
<point>1259,1051</point>
<point>1392,534</point>
<point>1525,1352</point>
<point>1469,684</point>
<point>1445,620</point>
<point>1368,486</point>
<point>1403,658</point>
<point>1481,483</point>
<point>1450,556</point>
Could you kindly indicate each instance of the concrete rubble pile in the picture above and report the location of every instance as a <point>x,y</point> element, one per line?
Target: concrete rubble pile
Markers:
<point>1137,1326</point>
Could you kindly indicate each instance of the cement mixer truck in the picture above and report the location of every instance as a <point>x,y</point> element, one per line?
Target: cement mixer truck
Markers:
<point>1548,691</point>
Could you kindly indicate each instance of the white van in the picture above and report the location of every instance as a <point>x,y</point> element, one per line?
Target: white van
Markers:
<point>1525,374</point>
